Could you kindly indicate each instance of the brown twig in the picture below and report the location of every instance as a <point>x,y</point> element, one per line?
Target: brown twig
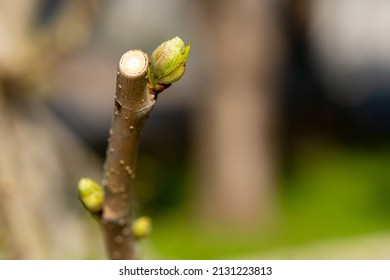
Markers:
<point>133,103</point>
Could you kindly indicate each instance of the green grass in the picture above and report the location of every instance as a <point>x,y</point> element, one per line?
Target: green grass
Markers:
<point>330,193</point>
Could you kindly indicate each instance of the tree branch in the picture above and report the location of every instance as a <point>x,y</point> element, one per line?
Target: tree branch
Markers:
<point>137,87</point>
<point>133,103</point>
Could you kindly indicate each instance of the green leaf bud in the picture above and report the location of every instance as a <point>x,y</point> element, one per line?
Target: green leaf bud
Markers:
<point>167,64</point>
<point>91,195</point>
<point>142,227</point>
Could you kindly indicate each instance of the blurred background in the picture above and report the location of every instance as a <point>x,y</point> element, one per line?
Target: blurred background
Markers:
<point>274,144</point>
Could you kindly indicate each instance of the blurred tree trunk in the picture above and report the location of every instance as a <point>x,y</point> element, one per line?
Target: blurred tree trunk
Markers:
<point>40,161</point>
<point>238,118</point>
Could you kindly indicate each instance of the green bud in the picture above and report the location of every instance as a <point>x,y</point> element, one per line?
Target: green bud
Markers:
<point>142,227</point>
<point>167,64</point>
<point>91,195</point>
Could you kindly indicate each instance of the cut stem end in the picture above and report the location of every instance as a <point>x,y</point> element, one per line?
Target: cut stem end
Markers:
<point>133,63</point>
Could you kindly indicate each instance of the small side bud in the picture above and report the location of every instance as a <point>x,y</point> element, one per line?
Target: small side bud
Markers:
<point>167,64</point>
<point>91,195</point>
<point>142,227</point>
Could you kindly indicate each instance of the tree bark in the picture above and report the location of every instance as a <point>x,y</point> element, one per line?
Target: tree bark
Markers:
<point>133,103</point>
